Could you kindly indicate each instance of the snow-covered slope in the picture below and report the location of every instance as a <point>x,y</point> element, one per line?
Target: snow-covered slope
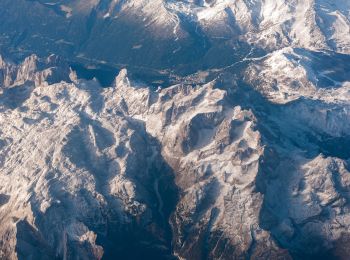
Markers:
<point>312,24</point>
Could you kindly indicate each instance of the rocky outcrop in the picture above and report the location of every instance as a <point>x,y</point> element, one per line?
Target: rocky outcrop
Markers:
<point>34,70</point>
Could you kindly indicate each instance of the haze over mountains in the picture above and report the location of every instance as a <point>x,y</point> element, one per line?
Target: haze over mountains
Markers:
<point>167,34</point>
<point>134,129</point>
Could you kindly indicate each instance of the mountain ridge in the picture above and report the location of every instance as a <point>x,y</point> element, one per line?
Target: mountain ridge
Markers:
<point>222,156</point>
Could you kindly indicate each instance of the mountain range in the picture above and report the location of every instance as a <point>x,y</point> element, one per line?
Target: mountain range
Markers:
<point>199,129</point>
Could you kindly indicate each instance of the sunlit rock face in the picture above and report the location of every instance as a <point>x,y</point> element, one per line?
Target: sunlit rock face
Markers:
<point>136,129</point>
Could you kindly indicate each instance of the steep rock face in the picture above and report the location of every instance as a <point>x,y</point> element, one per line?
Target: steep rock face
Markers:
<point>34,70</point>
